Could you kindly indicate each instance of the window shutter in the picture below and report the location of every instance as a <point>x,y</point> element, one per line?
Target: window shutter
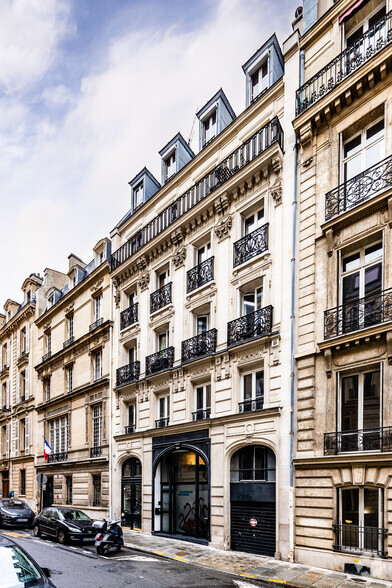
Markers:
<point>27,387</point>
<point>17,388</point>
<point>16,438</point>
<point>7,440</point>
<point>7,394</point>
<point>27,338</point>
<point>7,354</point>
<point>27,435</point>
<point>18,344</point>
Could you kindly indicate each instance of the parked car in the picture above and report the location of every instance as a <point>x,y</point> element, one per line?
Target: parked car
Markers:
<point>64,524</point>
<point>18,568</point>
<point>14,512</point>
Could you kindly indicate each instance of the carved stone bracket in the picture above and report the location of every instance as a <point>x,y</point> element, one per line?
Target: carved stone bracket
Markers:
<point>329,237</point>
<point>144,281</point>
<point>222,229</point>
<point>177,237</point>
<point>179,257</point>
<point>276,164</point>
<point>276,191</point>
<point>96,286</point>
<point>305,139</point>
<point>69,308</point>
<point>222,203</point>
<point>141,263</point>
<point>116,294</point>
<point>328,362</point>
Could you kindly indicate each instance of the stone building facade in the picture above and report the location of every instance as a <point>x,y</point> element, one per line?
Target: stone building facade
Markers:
<point>73,383</point>
<point>343,463</point>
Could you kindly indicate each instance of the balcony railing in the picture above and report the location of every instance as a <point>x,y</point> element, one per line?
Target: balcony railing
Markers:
<point>250,326</point>
<point>268,135</point>
<point>55,457</point>
<point>200,274</point>
<point>350,537</point>
<point>46,356</point>
<point>96,451</point>
<point>159,423</point>
<point>360,314</point>
<point>201,414</point>
<point>128,373</point>
<point>129,316</point>
<point>159,361</point>
<point>361,188</point>
<point>251,405</point>
<point>375,439</point>
<point>351,59</point>
<point>251,245</point>
<point>130,429</point>
<point>199,346</point>
<point>68,342</point>
<point>95,324</point>
<point>161,297</point>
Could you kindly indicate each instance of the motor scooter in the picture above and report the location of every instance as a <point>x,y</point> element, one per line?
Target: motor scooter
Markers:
<point>109,536</point>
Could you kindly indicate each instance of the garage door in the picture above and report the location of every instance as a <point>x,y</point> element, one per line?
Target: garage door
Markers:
<point>253,527</point>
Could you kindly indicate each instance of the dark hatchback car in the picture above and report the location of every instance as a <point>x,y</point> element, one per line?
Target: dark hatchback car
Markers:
<point>14,512</point>
<point>19,569</point>
<point>64,524</point>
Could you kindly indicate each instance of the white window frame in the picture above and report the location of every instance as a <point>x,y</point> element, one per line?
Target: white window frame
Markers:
<point>97,307</point>
<point>58,434</point>
<point>158,339</point>
<point>361,268</point>
<point>69,378</point>
<point>97,365</point>
<point>97,425</point>
<point>203,252</point>
<point>205,390</point>
<point>364,23</point>
<point>163,275</point>
<point>170,163</point>
<point>361,518</point>
<point>70,326</point>
<point>253,374</point>
<point>210,126</point>
<point>138,195</point>
<point>48,341</point>
<point>166,406</point>
<point>261,85</point>
<point>258,300</point>
<point>361,380</point>
<point>362,149</point>
<point>259,219</point>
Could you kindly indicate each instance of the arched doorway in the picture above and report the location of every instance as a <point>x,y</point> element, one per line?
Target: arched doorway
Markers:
<point>131,494</point>
<point>181,491</point>
<point>252,498</point>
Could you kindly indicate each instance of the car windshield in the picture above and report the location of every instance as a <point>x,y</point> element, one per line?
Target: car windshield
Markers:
<point>70,514</point>
<point>13,503</point>
<point>16,568</point>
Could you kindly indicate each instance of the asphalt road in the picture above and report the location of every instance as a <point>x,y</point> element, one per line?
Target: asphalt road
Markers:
<point>78,566</point>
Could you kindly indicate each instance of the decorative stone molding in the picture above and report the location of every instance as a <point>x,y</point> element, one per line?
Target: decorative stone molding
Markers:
<point>95,287</point>
<point>141,263</point>
<point>222,230</point>
<point>116,294</point>
<point>179,257</point>
<point>328,362</point>
<point>144,281</point>
<point>177,237</point>
<point>276,191</point>
<point>277,164</point>
<point>330,241</point>
<point>222,203</point>
<point>46,326</point>
<point>305,139</point>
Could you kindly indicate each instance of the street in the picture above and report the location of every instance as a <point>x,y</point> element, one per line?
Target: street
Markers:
<point>78,566</point>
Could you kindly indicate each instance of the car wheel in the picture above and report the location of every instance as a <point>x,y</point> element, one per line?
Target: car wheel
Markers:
<point>61,537</point>
<point>36,531</point>
<point>100,550</point>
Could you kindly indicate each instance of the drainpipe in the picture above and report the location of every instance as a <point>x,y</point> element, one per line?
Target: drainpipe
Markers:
<point>111,445</point>
<point>301,67</point>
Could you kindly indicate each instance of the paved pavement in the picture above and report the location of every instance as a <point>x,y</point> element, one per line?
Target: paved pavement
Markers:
<point>247,565</point>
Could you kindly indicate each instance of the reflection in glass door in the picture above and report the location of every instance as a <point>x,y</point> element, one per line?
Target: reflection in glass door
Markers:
<point>131,499</point>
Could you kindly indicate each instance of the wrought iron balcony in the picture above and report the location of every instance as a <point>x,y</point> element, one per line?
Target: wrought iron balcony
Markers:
<point>250,326</point>
<point>201,414</point>
<point>46,356</point>
<point>350,537</point>
<point>68,342</point>
<point>342,66</point>
<point>130,429</point>
<point>251,405</point>
<point>375,439</point>
<point>95,324</point>
<point>161,297</point>
<point>361,188</point>
<point>159,361</point>
<point>268,135</point>
<point>129,316</point>
<point>55,457</point>
<point>159,423</point>
<point>360,314</point>
<point>199,346</point>
<point>251,245</point>
<point>128,373</point>
<point>96,451</point>
<point>200,274</point>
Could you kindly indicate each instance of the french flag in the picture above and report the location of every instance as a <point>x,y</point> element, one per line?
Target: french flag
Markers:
<point>47,449</point>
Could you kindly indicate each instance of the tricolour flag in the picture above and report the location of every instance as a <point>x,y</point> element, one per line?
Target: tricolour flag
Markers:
<point>47,449</point>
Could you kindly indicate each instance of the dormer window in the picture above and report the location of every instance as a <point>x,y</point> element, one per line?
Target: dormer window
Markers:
<point>138,193</point>
<point>209,127</point>
<point>73,279</point>
<point>50,300</point>
<point>170,165</point>
<point>259,80</point>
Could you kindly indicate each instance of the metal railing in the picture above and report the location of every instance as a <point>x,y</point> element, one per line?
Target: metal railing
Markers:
<point>251,405</point>
<point>164,422</point>
<point>55,457</point>
<point>350,537</point>
<point>251,245</point>
<point>96,451</point>
<point>129,316</point>
<point>360,314</point>
<point>46,356</point>
<point>374,439</point>
<point>268,135</point>
<point>159,361</point>
<point>250,326</point>
<point>199,346</point>
<point>342,66</point>
<point>128,373</point>
<point>95,324</point>
<point>68,342</point>
<point>201,414</point>
<point>161,297</point>
<point>358,189</point>
<point>130,429</point>
<point>200,274</point>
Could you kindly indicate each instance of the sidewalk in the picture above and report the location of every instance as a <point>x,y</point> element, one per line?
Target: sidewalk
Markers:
<point>246,565</point>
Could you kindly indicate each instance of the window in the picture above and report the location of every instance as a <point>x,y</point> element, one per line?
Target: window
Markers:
<point>356,27</point>
<point>69,378</point>
<point>138,193</point>
<point>131,426</point>
<point>251,300</point>
<point>253,464</point>
<point>46,389</point>
<point>202,323</point>
<point>22,388</point>
<point>98,307</point>
<point>132,298</point>
<point>5,358</point>
<point>58,434</point>
<point>259,80</point>
<point>253,221</point>
<point>97,425</point>
<point>364,149</point>
<point>202,402</point>
<point>73,279</point>
<point>163,278</point>
<point>170,165</point>
<point>22,434</point>
<point>163,340</point>
<point>203,253</point>
<point>97,490</point>
<point>131,355</point>
<point>50,301</point>
<point>68,483</point>
<point>48,342</point>
<point>360,518</point>
<point>209,128</point>
<point>97,365</point>
<point>22,482</point>
<point>23,344</point>
<point>252,391</point>
<point>164,407</point>
<point>70,326</point>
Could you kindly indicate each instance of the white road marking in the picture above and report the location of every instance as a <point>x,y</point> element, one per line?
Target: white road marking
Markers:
<point>242,584</point>
<point>130,558</point>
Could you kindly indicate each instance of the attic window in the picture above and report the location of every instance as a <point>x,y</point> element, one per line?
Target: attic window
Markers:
<point>209,128</point>
<point>259,80</point>
<point>170,166</point>
<point>138,193</point>
<point>73,279</point>
<point>50,300</point>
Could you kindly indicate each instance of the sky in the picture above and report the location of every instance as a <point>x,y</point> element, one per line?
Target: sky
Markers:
<point>90,91</point>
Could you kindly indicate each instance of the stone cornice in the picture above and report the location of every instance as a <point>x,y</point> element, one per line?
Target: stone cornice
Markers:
<point>81,391</point>
<point>14,323</point>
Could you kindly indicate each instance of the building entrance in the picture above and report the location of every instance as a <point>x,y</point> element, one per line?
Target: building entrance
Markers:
<point>47,494</point>
<point>5,483</point>
<point>131,494</point>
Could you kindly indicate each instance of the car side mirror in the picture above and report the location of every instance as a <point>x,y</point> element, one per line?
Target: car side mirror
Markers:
<point>47,572</point>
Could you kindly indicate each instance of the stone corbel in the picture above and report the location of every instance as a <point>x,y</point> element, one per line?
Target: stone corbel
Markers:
<point>116,295</point>
<point>276,191</point>
<point>179,257</point>
<point>95,287</point>
<point>329,237</point>
<point>222,203</point>
<point>144,281</point>
<point>328,362</point>
<point>306,141</point>
<point>141,263</point>
<point>276,164</point>
<point>177,237</point>
<point>222,230</point>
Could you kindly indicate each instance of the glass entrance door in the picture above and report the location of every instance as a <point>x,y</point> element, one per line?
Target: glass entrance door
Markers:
<point>131,499</point>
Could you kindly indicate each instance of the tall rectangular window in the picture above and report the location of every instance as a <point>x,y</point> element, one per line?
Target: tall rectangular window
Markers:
<point>360,518</point>
<point>164,407</point>
<point>58,434</point>
<point>68,482</point>
<point>97,495</point>
<point>138,193</point>
<point>98,308</point>
<point>97,425</point>
<point>23,482</point>
<point>70,326</point>
<point>69,378</point>
<point>97,365</point>
<point>47,390</point>
<point>48,342</point>
<point>259,80</point>
<point>364,149</point>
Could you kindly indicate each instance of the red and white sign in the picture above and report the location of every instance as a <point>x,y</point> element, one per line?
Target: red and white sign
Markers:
<point>253,522</point>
